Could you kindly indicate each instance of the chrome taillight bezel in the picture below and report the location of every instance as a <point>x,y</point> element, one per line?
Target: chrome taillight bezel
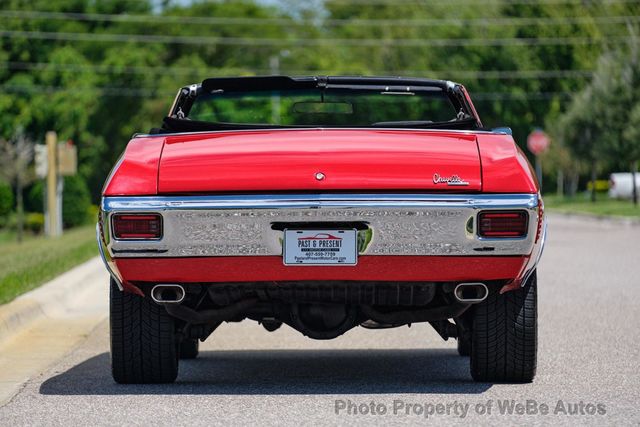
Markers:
<point>151,235</point>
<point>515,214</point>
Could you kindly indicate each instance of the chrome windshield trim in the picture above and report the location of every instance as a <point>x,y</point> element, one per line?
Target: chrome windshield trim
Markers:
<point>374,129</point>
<point>320,201</point>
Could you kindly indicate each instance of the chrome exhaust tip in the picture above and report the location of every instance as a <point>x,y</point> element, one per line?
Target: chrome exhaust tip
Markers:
<point>168,294</point>
<point>471,293</point>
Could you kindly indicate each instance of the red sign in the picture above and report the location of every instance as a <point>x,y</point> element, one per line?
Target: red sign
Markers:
<point>538,142</point>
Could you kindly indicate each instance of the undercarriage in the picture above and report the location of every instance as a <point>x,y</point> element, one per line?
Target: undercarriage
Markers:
<point>319,310</point>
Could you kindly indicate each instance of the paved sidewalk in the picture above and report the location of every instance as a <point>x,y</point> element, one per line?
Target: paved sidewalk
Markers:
<point>44,325</point>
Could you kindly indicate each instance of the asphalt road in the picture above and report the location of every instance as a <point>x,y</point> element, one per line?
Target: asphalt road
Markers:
<point>589,361</point>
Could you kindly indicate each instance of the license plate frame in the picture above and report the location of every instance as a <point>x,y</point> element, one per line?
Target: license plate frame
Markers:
<point>320,247</point>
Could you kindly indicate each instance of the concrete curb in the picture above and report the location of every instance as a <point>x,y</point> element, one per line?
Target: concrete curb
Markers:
<point>49,300</point>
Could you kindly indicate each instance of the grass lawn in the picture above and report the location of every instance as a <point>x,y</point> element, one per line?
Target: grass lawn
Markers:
<point>38,259</point>
<point>582,204</point>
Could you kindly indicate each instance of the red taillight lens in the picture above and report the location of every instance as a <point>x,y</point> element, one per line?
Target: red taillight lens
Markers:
<point>137,226</point>
<point>503,224</point>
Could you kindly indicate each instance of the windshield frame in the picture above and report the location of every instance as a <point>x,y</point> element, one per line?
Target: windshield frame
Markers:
<point>178,118</point>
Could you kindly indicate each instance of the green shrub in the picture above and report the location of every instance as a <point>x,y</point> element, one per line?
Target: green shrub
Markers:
<point>76,201</point>
<point>34,222</point>
<point>92,214</point>
<point>34,202</point>
<point>6,199</point>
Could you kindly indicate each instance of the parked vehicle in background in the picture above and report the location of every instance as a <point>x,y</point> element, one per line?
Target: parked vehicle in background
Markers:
<point>621,185</point>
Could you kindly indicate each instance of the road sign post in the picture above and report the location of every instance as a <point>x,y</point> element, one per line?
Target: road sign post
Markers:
<point>52,223</point>
<point>537,143</point>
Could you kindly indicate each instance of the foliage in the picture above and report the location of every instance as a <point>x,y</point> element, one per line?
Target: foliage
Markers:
<point>34,222</point>
<point>76,201</point>
<point>98,92</point>
<point>74,188</point>
<point>34,202</point>
<point>602,123</point>
<point>15,158</point>
<point>6,199</point>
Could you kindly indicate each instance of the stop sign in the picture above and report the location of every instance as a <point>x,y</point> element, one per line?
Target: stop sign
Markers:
<point>538,142</point>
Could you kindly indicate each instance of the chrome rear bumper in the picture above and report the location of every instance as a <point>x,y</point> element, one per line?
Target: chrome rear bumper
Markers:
<point>394,224</point>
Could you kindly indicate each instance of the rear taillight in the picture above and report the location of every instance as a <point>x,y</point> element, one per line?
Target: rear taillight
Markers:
<point>503,224</point>
<point>137,226</point>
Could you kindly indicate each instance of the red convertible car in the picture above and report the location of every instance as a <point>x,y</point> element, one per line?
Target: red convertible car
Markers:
<point>322,203</point>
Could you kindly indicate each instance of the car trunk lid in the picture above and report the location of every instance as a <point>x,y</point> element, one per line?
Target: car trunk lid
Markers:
<point>320,160</point>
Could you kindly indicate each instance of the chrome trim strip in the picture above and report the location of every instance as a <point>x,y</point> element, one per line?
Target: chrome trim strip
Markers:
<point>103,256</point>
<point>397,224</point>
<point>536,254</point>
<point>373,129</point>
<point>318,201</point>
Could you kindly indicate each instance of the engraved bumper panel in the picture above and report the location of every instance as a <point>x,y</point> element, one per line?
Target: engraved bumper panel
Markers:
<point>398,224</point>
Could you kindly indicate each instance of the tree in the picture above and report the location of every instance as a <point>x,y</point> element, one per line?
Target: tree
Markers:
<point>98,93</point>
<point>631,136</point>
<point>602,123</point>
<point>579,132</point>
<point>6,199</point>
<point>15,157</point>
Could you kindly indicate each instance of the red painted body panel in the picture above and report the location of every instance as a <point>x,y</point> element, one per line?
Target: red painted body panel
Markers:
<point>288,160</point>
<point>137,173</point>
<point>505,168</point>
<point>271,268</point>
<point>351,159</point>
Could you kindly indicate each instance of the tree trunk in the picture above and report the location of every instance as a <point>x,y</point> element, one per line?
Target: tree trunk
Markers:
<point>560,183</point>
<point>573,184</point>
<point>19,208</point>
<point>593,180</point>
<point>634,186</point>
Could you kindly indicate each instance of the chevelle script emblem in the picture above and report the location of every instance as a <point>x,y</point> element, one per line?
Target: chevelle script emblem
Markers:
<point>449,180</point>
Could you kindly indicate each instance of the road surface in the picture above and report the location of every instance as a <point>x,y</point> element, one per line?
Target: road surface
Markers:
<point>588,372</point>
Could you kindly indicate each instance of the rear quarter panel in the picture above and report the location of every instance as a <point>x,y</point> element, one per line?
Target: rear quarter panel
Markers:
<point>137,171</point>
<point>505,168</point>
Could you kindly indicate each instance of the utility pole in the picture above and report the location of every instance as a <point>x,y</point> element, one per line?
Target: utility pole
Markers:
<point>53,162</point>
<point>52,222</point>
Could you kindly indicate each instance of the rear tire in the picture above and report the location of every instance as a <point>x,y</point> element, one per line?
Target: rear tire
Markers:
<point>464,346</point>
<point>143,341</point>
<point>189,349</point>
<point>505,336</point>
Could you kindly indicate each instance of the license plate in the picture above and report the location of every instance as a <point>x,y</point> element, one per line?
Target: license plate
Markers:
<point>320,247</point>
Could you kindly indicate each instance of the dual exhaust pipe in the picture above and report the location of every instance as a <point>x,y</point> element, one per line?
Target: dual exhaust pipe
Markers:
<point>168,294</point>
<point>468,293</point>
<point>471,293</point>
